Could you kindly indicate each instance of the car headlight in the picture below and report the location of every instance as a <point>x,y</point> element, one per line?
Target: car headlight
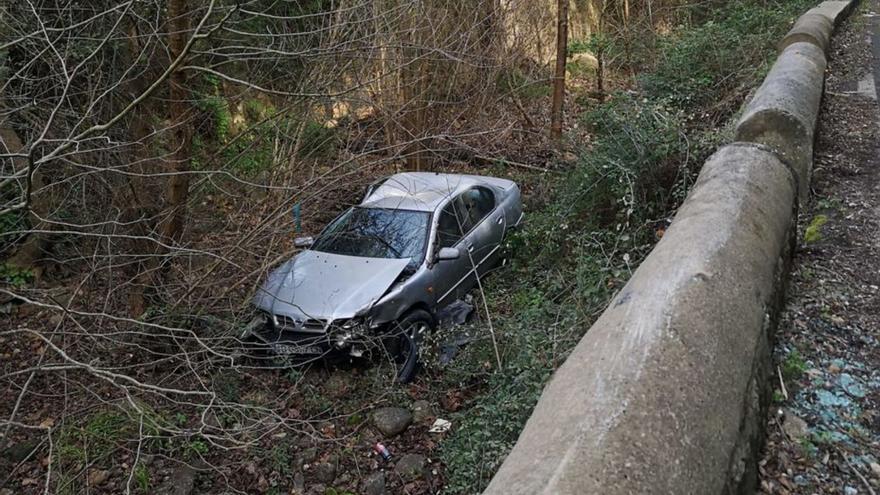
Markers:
<point>347,331</point>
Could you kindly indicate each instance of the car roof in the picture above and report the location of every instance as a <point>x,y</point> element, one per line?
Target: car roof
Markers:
<point>425,191</point>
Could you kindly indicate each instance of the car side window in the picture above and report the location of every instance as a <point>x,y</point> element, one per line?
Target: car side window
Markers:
<point>454,222</point>
<point>449,230</point>
<point>477,202</point>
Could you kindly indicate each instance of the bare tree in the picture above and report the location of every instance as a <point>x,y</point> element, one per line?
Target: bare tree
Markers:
<point>556,115</point>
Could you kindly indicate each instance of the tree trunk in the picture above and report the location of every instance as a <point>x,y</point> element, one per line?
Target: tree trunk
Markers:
<point>131,193</point>
<point>38,201</point>
<point>559,77</point>
<point>178,184</point>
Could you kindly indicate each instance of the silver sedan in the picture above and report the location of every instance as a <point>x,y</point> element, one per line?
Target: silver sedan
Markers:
<point>381,270</point>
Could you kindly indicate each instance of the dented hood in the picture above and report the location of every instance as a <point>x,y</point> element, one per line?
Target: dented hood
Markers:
<point>327,286</point>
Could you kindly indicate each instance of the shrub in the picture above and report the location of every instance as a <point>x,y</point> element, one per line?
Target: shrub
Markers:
<point>711,66</point>
<point>15,276</point>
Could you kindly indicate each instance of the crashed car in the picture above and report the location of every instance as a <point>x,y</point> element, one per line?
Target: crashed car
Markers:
<point>377,275</point>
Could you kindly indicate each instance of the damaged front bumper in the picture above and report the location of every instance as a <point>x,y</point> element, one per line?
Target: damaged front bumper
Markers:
<point>311,338</point>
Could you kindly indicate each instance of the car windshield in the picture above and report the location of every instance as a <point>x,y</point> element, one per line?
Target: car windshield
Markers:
<point>377,233</point>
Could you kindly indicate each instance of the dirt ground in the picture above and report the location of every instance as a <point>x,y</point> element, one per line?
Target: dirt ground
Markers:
<point>824,425</point>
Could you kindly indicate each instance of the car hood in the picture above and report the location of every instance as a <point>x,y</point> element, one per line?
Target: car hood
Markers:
<point>327,286</point>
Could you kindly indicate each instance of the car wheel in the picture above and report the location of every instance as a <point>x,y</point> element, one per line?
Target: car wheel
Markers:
<point>410,332</point>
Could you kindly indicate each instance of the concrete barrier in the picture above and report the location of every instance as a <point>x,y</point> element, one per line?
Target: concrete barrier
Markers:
<point>667,392</point>
<point>810,28</point>
<point>656,396</point>
<point>817,25</point>
<point>834,11</point>
<point>785,109</point>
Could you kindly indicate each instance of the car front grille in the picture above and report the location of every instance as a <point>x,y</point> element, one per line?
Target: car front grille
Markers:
<point>310,325</point>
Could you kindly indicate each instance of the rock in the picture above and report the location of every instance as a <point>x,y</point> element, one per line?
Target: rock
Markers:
<point>875,468</point>
<point>181,482</point>
<point>20,451</point>
<point>299,483</point>
<point>411,466</point>
<point>56,319</point>
<point>422,411</point>
<point>374,484</point>
<point>303,457</point>
<point>850,491</point>
<point>97,476</point>
<point>325,472</point>
<point>6,491</point>
<point>834,368</point>
<point>568,157</point>
<point>795,427</point>
<point>392,420</point>
<point>317,489</point>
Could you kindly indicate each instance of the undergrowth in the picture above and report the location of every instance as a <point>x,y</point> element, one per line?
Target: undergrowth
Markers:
<point>604,216</point>
<point>706,69</point>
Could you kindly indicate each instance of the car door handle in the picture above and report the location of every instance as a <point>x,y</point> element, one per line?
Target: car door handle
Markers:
<point>470,248</point>
<point>500,220</point>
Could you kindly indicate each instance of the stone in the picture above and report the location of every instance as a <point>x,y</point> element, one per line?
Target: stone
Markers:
<point>374,484</point>
<point>568,157</point>
<point>411,466</point>
<point>55,320</point>
<point>795,427</point>
<point>850,491</point>
<point>392,421</point>
<point>20,451</point>
<point>181,482</point>
<point>97,477</point>
<point>875,469</point>
<point>299,483</point>
<point>303,457</point>
<point>422,411</point>
<point>318,489</point>
<point>325,472</point>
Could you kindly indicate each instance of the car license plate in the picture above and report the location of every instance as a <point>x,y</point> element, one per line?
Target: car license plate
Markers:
<point>291,349</point>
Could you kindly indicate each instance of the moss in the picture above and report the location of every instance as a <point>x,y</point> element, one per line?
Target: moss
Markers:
<point>813,233</point>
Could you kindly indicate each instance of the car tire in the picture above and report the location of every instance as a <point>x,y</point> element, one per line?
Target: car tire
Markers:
<point>411,329</point>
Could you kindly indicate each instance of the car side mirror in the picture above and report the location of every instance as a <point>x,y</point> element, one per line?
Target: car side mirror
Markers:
<point>448,253</point>
<point>303,242</point>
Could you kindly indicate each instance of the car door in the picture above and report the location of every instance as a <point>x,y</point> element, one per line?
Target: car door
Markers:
<point>451,276</point>
<point>486,221</point>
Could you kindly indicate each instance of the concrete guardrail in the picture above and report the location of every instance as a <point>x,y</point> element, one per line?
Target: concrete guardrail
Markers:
<point>667,392</point>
